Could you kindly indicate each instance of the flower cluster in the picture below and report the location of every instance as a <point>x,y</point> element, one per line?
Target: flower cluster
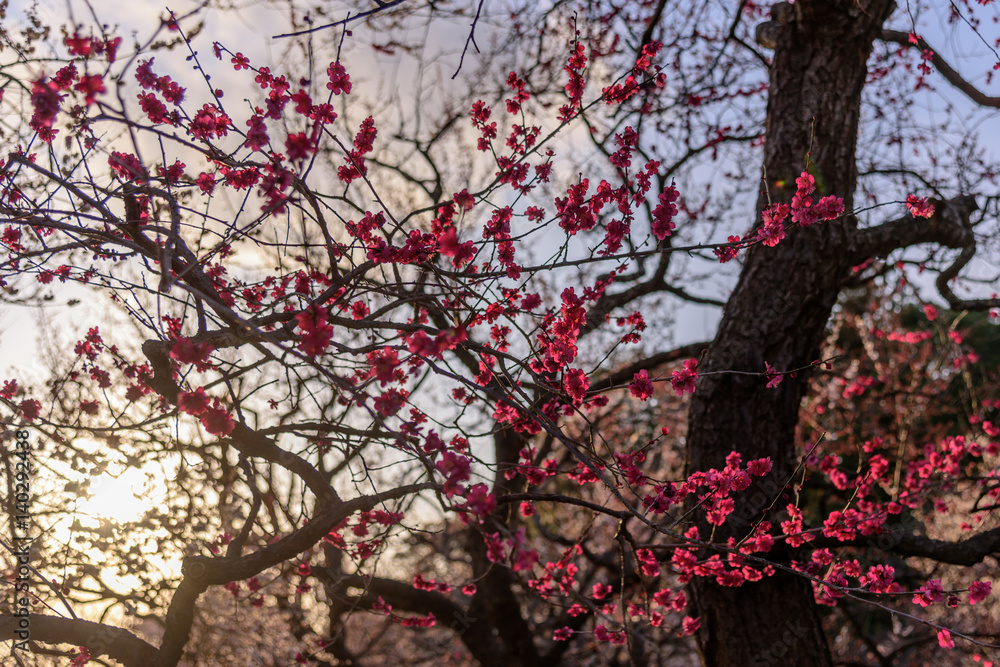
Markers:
<point>804,212</point>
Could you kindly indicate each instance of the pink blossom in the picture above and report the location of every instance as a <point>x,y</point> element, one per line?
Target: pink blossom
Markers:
<point>193,403</point>
<point>829,208</point>
<point>299,146</point>
<point>979,590</point>
<point>601,591</point>
<point>683,381</point>
<point>576,383</point>
<point>773,377</point>
<point>494,548</point>
<point>90,85</point>
<point>460,253</point>
<point>188,352</point>
<point>919,207</point>
<point>479,500</point>
<point>390,402</point>
<point>257,134</point>
<point>759,467</point>
<point>664,213</point>
<point>29,409</point>
<point>929,593</point>
<point>879,578</point>
<point>793,528</point>
<point>127,166</point>
<point>316,330</point>
<point>642,386</point>
<point>217,420</point>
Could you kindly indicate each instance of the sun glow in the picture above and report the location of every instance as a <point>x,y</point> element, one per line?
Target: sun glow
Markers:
<point>120,499</point>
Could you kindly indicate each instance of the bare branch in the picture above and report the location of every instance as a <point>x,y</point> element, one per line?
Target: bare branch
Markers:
<point>946,70</point>
<point>623,375</point>
<point>382,6</point>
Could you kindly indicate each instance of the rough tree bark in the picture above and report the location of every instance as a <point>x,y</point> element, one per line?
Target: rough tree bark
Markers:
<point>778,313</point>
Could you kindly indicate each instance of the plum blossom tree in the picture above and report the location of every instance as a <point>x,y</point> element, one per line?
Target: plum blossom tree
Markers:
<point>409,394</point>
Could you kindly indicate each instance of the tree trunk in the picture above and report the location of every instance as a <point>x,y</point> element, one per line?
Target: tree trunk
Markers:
<point>778,313</point>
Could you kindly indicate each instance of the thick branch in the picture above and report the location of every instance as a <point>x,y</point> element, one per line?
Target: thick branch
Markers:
<point>475,633</point>
<point>180,617</point>
<point>946,70</point>
<point>99,639</point>
<point>218,571</point>
<point>399,595</point>
<point>950,273</point>
<point>949,226</point>
<point>250,443</point>
<point>965,552</point>
<point>200,572</point>
<point>247,441</point>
